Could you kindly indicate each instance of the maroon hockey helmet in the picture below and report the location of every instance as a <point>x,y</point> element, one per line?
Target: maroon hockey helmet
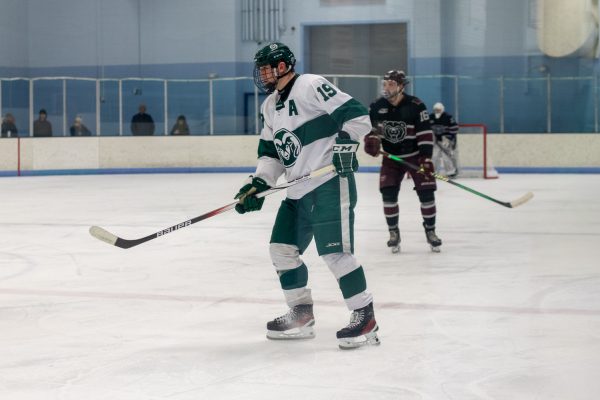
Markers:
<point>397,76</point>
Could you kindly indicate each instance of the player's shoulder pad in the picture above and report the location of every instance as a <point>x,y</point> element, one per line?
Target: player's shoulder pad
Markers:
<point>379,102</point>
<point>311,79</point>
<point>416,100</point>
<point>269,102</point>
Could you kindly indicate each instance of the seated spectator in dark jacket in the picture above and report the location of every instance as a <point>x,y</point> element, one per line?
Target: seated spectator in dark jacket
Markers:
<point>181,127</point>
<point>9,129</point>
<point>79,129</point>
<point>142,124</point>
<point>41,126</point>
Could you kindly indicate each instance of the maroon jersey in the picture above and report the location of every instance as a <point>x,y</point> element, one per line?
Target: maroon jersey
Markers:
<point>405,128</point>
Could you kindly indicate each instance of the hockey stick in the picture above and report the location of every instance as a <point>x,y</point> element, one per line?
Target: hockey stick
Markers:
<point>112,239</point>
<point>512,204</point>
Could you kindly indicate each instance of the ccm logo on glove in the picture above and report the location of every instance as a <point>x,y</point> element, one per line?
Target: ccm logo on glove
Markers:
<point>345,148</point>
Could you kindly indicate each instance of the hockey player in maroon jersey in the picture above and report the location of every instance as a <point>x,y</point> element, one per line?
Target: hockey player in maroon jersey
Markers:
<point>401,126</point>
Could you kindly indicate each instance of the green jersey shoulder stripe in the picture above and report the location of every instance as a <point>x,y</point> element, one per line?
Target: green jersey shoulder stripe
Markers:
<point>349,110</point>
<point>328,125</point>
<point>315,129</point>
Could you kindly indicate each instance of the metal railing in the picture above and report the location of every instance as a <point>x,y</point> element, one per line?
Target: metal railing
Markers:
<point>223,106</point>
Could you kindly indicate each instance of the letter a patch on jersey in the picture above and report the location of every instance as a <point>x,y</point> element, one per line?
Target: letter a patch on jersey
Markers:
<point>292,107</point>
<point>288,146</point>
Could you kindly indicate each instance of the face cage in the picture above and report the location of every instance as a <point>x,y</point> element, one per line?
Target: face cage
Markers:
<point>265,87</point>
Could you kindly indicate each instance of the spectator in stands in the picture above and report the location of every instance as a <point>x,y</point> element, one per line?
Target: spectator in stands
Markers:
<point>181,127</point>
<point>79,129</point>
<point>9,129</point>
<point>142,124</point>
<point>41,126</point>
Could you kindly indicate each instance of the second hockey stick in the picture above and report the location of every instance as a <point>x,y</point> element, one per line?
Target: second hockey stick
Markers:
<point>112,239</point>
<point>510,204</point>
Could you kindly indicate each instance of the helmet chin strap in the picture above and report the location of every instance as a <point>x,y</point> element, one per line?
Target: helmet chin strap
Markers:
<point>278,77</point>
<point>272,86</point>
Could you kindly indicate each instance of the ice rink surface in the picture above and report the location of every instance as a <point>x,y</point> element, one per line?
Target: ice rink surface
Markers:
<point>510,309</point>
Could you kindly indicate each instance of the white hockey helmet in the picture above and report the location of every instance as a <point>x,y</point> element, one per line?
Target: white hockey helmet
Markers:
<point>438,108</point>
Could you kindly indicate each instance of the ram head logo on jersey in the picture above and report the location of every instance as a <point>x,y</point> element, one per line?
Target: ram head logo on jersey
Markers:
<point>288,146</point>
<point>394,131</point>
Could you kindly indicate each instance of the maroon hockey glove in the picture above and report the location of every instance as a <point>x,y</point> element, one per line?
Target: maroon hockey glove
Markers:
<point>425,167</point>
<point>372,144</point>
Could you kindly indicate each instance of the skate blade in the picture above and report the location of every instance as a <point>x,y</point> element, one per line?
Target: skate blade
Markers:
<point>395,249</point>
<point>370,339</point>
<point>305,332</point>
<point>436,249</point>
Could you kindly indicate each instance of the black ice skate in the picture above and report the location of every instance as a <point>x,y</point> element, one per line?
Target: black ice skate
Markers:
<point>434,241</point>
<point>361,330</point>
<point>296,324</point>
<point>394,242</point>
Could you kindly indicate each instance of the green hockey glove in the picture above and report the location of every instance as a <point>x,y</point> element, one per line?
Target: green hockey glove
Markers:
<point>344,155</point>
<point>246,195</point>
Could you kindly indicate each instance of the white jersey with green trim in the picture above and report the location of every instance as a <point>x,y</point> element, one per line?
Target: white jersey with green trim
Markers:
<point>299,129</point>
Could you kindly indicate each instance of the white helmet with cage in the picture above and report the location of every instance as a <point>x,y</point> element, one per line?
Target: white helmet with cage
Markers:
<point>438,109</point>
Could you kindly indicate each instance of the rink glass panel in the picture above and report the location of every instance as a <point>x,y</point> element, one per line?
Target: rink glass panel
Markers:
<point>48,95</point>
<point>15,100</point>
<point>229,106</point>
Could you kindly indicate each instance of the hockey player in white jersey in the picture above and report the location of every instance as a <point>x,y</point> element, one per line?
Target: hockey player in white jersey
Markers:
<point>308,123</point>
